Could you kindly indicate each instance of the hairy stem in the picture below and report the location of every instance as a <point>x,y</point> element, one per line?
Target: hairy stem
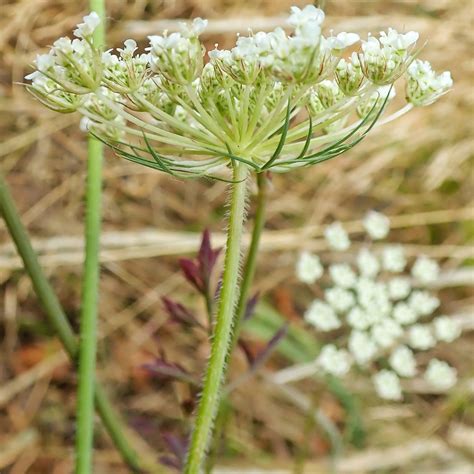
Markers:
<point>251,260</point>
<point>58,319</point>
<point>222,335</point>
<point>90,290</point>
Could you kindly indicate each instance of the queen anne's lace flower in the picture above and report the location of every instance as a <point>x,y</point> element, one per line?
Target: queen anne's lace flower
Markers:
<point>342,275</point>
<point>275,100</point>
<point>340,299</point>
<point>403,361</point>
<point>423,303</point>
<point>381,311</point>
<point>421,337</point>
<point>386,332</point>
<point>425,270</point>
<point>322,316</point>
<point>377,225</point>
<point>308,268</point>
<point>404,314</point>
<point>367,263</point>
<point>424,86</point>
<point>362,347</point>
<point>440,374</point>
<point>334,361</point>
<point>387,385</point>
<point>337,236</point>
<point>393,259</point>
<point>399,288</point>
<point>446,329</point>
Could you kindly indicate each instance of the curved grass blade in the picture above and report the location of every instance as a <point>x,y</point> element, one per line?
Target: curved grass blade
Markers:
<point>307,141</point>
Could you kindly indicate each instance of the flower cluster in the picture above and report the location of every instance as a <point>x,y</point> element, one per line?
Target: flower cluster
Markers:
<point>386,312</point>
<point>275,100</point>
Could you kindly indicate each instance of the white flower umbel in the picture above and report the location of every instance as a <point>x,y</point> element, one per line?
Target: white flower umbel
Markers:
<point>343,275</point>
<point>322,316</point>
<point>403,361</point>
<point>276,100</point>
<point>421,337</point>
<point>399,288</point>
<point>362,347</point>
<point>393,259</point>
<point>404,314</point>
<point>308,268</point>
<point>425,270</point>
<point>423,303</point>
<point>387,385</point>
<point>380,311</point>
<point>334,361</point>
<point>386,332</point>
<point>337,237</point>
<point>340,299</point>
<point>440,374</point>
<point>423,85</point>
<point>446,329</point>
<point>367,263</point>
<point>377,225</point>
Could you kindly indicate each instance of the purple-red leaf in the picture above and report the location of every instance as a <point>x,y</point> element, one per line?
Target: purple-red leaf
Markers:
<point>207,257</point>
<point>179,313</point>
<point>250,306</point>
<point>265,353</point>
<point>166,371</point>
<point>178,448</point>
<point>192,273</point>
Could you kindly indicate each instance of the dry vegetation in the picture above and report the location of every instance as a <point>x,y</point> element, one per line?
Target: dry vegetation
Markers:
<point>417,169</point>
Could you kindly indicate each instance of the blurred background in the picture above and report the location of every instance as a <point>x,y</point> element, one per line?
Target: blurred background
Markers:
<point>418,168</point>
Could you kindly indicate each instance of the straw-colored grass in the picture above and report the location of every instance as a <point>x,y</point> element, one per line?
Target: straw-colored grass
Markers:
<point>418,170</point>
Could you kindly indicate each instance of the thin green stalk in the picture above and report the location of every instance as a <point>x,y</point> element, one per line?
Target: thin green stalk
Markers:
<point>58,319</point>
<point>251,260</point>
<point>90,290</point>
<point>222,336</point>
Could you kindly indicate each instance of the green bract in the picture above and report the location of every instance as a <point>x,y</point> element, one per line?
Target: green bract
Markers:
<point>274,101</point>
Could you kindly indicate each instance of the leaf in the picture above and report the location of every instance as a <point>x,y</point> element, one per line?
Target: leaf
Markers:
<point>169,371</point>
<point>192,273</point>
<point>272,344</point>
<point>207,256</point>
<point>179,313</point>
<point>279,147</point>
<point>250,306</point>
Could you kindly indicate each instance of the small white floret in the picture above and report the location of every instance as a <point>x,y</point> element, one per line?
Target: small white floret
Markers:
<point>440,374</point>
<point>446,329</point>
<point>387,385</point>
<point>403,361</point>
<point>367,263</point>
<point>393,258</point>
<point>322,316</point>
<point>340,299</point>
<point>337,237</point>
<point>342,275</point>
<point>404,314</point>
<point>377,225</point>
<point>362,347</point>
<point>386,332</point>
<point>308,268</point>
<point>420,337</point>
<point>399,288</point>
<point>334,361</point>
<point>423,302</point>
<point>425,270</point>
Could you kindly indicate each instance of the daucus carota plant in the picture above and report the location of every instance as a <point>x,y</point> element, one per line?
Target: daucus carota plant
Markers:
<point>276,101</point>
<point>383,314</point>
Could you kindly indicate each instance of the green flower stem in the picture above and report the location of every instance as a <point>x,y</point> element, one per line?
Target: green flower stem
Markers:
<point>222,336</point>
<point>90,290</point>
<point>251,261</point>
<point>58,319</point>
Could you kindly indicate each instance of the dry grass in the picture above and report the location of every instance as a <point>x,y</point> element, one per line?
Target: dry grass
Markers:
<point>418,169</point>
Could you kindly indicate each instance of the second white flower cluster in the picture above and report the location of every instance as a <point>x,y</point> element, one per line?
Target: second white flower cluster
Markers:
<point>387,310</point>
